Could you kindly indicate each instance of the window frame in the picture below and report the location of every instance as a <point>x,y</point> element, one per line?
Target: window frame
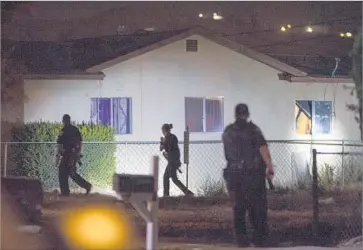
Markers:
<point>204,115</point>
<point>129,128</point>
<point>313,122</point>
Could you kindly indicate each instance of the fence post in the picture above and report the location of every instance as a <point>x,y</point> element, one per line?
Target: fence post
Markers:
<point>126,156</point>
<point>5,159</point>
<point>186,154</point>
<point>343,151</point>
<point>315,195</point>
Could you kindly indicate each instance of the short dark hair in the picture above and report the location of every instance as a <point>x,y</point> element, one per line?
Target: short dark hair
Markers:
<point>66,118</point>
<point>242,110</point>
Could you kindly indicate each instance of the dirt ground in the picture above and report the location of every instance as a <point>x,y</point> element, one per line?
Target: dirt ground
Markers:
<point>208,220</point>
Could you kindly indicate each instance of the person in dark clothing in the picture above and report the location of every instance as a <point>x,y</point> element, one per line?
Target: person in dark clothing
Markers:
<point>248,164</point>
<point>169,143</point>
<point>69,149</point>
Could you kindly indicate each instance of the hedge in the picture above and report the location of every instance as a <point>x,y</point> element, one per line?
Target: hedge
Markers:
<point>36,159</point>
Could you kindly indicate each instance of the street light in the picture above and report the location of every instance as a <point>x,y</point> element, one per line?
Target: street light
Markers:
<point>289,26</point>
<point>348,34</point>
<point>283,29</point>
<point>342,35</point>
<point>200,15</point>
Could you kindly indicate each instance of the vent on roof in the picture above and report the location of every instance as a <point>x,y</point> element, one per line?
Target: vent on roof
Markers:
<point>192,45</point>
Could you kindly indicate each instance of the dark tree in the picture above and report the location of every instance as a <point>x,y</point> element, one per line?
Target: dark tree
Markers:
<point>357,76</point>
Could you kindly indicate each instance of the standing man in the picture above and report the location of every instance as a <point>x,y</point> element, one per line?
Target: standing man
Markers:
<point>69,149</point>
<point>248,163</point>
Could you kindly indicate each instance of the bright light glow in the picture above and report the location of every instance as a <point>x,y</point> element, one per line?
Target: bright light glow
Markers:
<point>348,34</point>
<point>217,17</point>
<point>289,26</point>
<point>283,29</point>
<point>342,35</point>
<point>309,29</point>
<point>200,15</point>
<point>97,227</point>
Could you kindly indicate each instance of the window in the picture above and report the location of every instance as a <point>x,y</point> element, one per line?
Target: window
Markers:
<point>192,45</point>
<point>114,112</point>
<point>204,114</point>
<point>313,117</point>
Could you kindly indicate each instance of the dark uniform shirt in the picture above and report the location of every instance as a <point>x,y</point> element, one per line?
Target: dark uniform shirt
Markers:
<point>70,138</point>
<point>242,141</point>
<point>172,148</point>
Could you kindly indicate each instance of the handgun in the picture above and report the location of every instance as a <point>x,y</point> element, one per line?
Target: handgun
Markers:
<point>270,184</point>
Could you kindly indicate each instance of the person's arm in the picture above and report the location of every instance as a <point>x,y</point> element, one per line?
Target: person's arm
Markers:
<point>171,147</point>
<point>60,141</point>
<point>174,143</point>
<point>80,138</point>
<point>264,151</point>
<point>226,139</point>
<point>162,140</point>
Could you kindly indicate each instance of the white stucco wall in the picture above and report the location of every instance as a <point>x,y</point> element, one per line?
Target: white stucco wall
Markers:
<point>159,81</point>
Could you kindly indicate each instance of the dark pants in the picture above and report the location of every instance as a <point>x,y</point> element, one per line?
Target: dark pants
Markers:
<point>171,172</point>
<point>248,194</point>
<point>67,168</point>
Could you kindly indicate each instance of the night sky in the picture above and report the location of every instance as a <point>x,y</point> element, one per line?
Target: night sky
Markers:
<point>67,20</point>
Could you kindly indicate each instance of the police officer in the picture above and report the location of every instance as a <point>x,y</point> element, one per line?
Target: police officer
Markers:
<point>248,164</point>
<point>172,153</point>
<point>69,149</point>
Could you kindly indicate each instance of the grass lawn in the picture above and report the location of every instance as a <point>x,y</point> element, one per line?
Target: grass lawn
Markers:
<point>209,220</point>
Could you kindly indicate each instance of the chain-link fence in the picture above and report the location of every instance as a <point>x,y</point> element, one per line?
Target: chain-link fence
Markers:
<point>292,160</point>
<point>338,179</point>
<point>337,188</point>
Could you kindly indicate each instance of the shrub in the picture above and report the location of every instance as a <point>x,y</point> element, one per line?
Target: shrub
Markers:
<point>353,172</point>
<point>34,155</point>
<point>212,188</point>
<point>327,176</point>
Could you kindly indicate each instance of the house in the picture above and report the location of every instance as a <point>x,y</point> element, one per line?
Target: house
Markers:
<point>188,77</point>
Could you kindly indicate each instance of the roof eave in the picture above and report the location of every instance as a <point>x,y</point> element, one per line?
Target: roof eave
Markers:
<point>315,79</point>
<point>139,52</point>
<point>262,58</point>
<point>88,76</point>
<point>267,60</point>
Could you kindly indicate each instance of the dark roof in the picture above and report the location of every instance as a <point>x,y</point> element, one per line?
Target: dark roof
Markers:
<point>316,65</point>
<point>75,56</point>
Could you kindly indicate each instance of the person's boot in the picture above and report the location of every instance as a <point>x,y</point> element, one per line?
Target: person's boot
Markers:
<point>189,193</point>
<point>243,241</point>
<point>88,190</point>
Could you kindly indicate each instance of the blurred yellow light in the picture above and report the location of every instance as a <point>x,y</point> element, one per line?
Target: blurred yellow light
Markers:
<point>342,35</point>
<point>309,29</point>
<point>348,34</point>
<point>283,29</point>
<point>97,227</point>
<point>289,26</point>
<point>200,15</point>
